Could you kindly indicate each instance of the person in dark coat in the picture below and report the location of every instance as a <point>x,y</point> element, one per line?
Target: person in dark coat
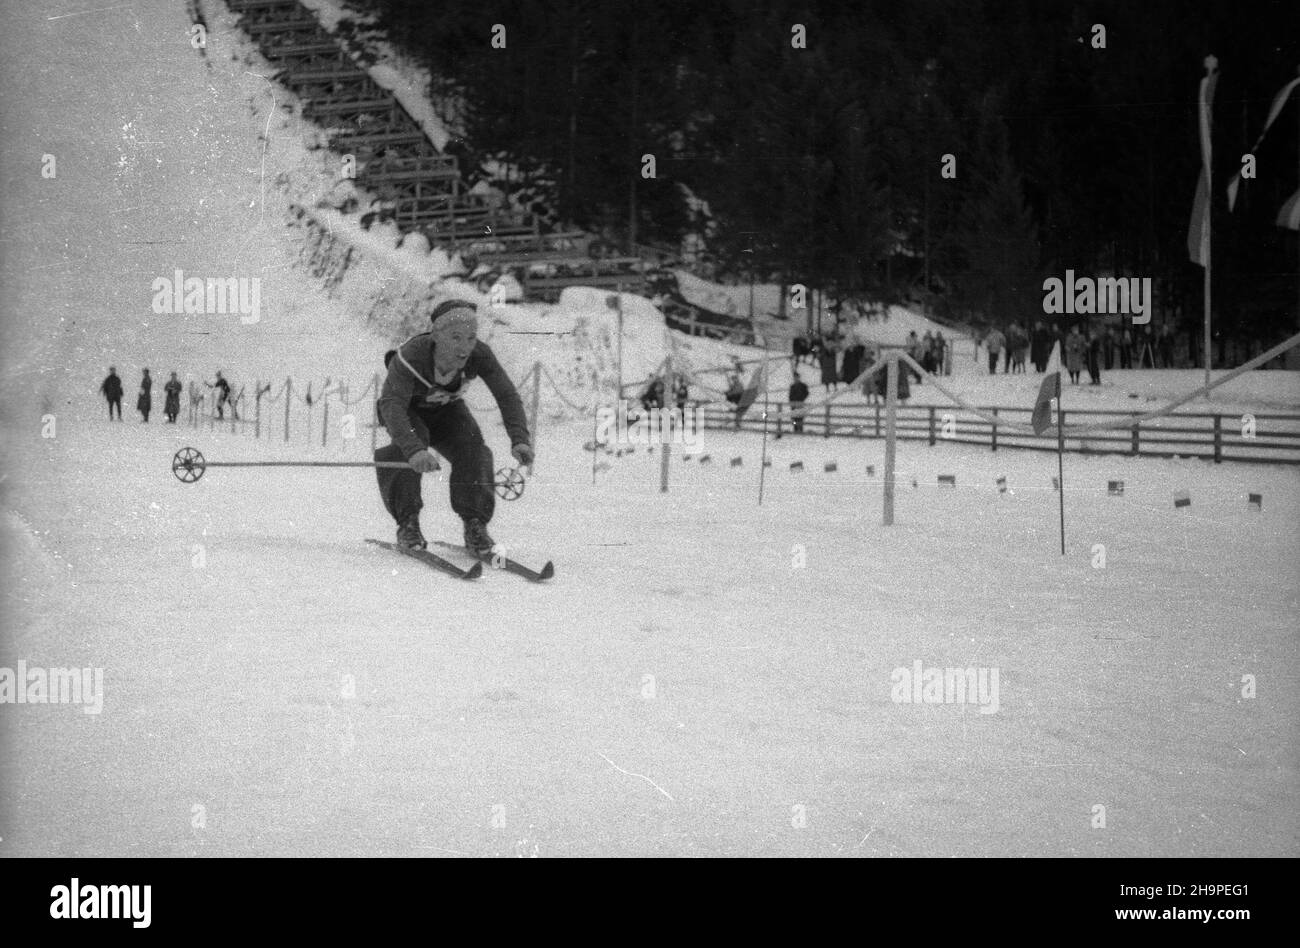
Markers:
<point>1040,349</point>
<point>172,405</point>
<point>852,366</point>
<point>798,395</point>
<point>112,389</point>
<point>830,377</point>
<point>144,401</point>
<point>681,394</point>
<point>1094,357</point>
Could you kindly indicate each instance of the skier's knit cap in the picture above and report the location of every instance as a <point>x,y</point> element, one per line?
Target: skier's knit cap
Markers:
<point>452,306</point>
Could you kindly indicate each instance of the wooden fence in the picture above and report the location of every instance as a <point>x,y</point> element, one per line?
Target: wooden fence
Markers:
<point>1262,438</point>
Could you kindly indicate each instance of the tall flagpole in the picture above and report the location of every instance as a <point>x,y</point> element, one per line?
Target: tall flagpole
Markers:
<point>762,464</point>
<point>1060,454</point>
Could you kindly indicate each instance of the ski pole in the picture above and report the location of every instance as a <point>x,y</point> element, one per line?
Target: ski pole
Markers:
<point>189,464</point>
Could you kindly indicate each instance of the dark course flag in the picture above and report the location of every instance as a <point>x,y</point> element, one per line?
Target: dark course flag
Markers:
<point>1051,388</point>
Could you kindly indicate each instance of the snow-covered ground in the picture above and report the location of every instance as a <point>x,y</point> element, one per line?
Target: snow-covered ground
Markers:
<point>704,675</point>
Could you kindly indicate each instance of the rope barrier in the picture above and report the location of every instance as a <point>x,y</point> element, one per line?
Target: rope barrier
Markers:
<point>547,373</point>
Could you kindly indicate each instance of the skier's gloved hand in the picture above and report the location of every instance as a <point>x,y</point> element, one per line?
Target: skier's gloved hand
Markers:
<point>523,453</point>
<point>425,461</point>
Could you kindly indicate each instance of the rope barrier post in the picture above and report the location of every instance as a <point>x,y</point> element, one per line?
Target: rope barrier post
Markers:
<point>827,423</point>
<point>537,395</point>
<point>257,409</point>
<point>658,425</point>
<point>1218,439</point>
<point>1135,439</point>
<point>595,423</point>
<point>891,434</point>
<point>932,426</point>
<point>374,429</point>
<point>762,465</point>
<point>288,397</point>
<point>325,419</point>
<point>995,430</point>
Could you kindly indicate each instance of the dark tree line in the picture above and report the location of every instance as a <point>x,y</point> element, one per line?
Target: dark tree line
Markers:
<point>822,165</point>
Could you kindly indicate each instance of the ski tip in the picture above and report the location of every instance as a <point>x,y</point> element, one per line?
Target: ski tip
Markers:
<point>474,572</point>
<point>547,571</point>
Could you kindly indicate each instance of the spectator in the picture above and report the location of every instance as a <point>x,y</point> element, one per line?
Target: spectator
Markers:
<point>1142,345</point>
<point>1019,347</point>
<point>223,397</point>
<point>914,346</point>
<point>1125,349</point>
<point>734,388</point>
<point>927,352</point>
<point>1108,348</point>
<point>904,386</point>
<point>1094,357</point>
<point>144,401</point>
<point>994,342</point>
<point>1165,346</point>
<point>830,375</point>
<point>852,366</point>
<point>941,354</point>
<point>802,348</point>
<point>1075,346</point>
<point>798,395</point>
<point>172,405</point>
<point>112,389</point>
<point>1040,346</point>
<point>681,394</point>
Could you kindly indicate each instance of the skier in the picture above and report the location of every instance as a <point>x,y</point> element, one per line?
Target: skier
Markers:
<point>144,401</point>
<point>112,389</point>
<point>421,407</point>
<point>172,406</point>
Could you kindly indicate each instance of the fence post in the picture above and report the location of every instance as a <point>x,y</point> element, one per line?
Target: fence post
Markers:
<point>1218,439</point>
<point>1135,439</point>
<point>995,430</point>
<point>827,432</point>
<point>288,397</point>
<point>325,418</point>
<point>778,423</point>
<point>877,419</point>
<point>257,410</point>
<point>891,407</point>
<point>932,426</point>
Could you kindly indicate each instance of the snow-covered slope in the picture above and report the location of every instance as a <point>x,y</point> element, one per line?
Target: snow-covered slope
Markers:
<point>701,670</point>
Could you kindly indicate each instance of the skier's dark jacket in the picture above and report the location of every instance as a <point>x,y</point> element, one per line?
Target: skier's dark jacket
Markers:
<point>409,389</point>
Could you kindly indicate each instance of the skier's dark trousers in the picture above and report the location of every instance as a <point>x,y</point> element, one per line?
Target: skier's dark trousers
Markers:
<point>421,407</point>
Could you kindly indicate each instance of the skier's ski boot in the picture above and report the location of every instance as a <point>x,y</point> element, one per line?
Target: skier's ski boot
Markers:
<point>477,540</point>
<point>409,535</point>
